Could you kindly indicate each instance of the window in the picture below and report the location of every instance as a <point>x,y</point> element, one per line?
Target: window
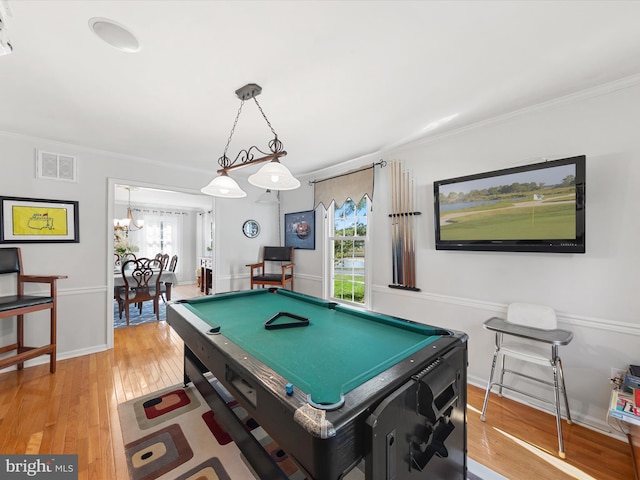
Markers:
<point>161,234</point>
<point>347,252</point>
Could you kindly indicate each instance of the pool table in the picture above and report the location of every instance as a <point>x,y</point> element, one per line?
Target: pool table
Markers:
<point>336,387</point>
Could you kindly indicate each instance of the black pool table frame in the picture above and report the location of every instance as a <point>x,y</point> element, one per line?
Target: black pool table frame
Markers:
<point>408,422</point>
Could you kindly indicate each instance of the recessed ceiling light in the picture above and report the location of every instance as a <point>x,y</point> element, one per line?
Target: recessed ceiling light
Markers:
<point>115,34</point>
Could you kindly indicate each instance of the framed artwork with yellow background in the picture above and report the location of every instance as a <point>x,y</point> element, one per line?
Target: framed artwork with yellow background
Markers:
<point>33,220</point>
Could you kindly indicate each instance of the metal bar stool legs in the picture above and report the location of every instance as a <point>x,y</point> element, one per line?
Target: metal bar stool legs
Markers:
<point>557,371</point>
<point>490,384</point>
<point>558,386</point>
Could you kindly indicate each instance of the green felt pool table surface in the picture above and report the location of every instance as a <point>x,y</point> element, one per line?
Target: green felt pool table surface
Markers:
<point>340,349</point>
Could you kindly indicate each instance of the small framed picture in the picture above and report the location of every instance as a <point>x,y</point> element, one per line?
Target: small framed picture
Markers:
<point>32,220</point>
<point>300,230</point>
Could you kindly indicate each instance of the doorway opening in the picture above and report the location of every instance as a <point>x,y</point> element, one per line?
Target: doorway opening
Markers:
<point>150,220</point>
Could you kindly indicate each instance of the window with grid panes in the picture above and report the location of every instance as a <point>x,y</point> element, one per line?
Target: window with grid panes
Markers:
<point>347,247</point>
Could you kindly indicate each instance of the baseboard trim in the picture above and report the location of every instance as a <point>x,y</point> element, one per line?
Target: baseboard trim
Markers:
<point>592,423</point>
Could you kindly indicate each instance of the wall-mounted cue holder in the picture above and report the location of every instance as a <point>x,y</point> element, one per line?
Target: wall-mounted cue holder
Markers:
<point>402,229</point>
<point>404,214</point>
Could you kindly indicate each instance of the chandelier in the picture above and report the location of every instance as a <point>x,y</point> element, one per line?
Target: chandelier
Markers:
<point>128,224</point>
<point>272,176</point>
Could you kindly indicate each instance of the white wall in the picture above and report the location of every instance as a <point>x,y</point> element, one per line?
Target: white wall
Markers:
<point>85,309</point>
<point>593,293</point>
<point>233,250</point>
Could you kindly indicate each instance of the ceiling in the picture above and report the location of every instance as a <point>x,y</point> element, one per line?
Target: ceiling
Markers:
<point>340,79</point>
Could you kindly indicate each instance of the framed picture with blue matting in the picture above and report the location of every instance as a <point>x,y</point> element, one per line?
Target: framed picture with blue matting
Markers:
<point>300,230</point>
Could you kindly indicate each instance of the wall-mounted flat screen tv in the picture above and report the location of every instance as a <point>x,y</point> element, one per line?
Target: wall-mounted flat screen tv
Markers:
<point>531,208</point>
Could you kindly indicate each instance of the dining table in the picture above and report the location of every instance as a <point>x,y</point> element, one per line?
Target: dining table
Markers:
<point>167,277</point>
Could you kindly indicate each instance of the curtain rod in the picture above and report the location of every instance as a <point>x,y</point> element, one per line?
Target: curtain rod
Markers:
<point>161,212</point>
<point>381,163</point>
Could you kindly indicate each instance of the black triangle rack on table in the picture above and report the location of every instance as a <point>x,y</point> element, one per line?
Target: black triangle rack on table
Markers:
<point>295,321</point>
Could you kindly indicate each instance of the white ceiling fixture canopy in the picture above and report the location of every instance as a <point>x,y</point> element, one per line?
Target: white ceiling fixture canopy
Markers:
<point>115,34</point>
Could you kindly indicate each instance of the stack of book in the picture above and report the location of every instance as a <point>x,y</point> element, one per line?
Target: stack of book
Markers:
<point>625,401</point>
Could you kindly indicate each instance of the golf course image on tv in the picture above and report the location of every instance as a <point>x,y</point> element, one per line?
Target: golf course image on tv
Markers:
<point>537,207</point>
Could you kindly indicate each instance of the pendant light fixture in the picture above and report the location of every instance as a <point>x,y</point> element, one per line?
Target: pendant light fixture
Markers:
<point>127,224</point>
<point>272,176</point>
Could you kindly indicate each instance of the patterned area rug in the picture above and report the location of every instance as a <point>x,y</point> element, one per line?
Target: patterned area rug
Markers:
<point>135,317</point>
<point>173,435</point>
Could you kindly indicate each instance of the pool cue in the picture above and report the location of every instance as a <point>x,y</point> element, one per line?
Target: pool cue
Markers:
<point>394,233</point>
<point>409,281</point>
<point>398,231</point>
<point>399,220</point>
<point>407,216</point>
<point>396,251</point>
<point>412,245</point>
<point>411,218</point>
<point>405,269</point>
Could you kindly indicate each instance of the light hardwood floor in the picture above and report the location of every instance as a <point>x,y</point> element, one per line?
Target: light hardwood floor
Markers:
<point>75,411</point>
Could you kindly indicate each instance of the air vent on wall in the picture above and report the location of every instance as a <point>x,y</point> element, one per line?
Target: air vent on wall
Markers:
<point>56,166</point>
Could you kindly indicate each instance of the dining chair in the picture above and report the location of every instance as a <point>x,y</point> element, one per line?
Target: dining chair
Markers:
<point>118,262</point>
<point>141,284</point>
<point>126,257</point>
<point>117,265</point>
<point>164,258</point>
<point>172,268</point>
<point>173,263</point>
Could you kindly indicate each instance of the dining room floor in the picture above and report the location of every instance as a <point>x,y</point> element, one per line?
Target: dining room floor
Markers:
<point>178,292</point>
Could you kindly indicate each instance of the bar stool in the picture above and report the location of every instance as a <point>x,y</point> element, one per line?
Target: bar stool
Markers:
<point>537,323</point>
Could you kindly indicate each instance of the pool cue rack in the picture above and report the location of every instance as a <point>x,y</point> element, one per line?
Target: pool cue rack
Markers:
<point>403,229</point>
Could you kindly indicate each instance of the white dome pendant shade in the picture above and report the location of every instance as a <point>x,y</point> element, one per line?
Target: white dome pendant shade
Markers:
<point>274,176</point>
<point>224,186</point>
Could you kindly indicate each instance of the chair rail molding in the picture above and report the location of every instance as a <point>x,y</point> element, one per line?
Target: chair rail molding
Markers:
<point>612,326</point>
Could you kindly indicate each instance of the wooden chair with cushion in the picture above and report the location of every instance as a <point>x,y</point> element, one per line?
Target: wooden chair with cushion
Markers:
<point>20,304</point>
<point>262,273</point>
<point>142,284</point>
